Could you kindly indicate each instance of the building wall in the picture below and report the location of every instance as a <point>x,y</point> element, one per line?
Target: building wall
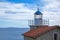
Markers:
<point>32,27</point>
<point>49,35</point>
<point>28,38</point>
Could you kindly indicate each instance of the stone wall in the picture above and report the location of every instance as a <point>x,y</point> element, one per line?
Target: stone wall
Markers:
<point>46,36</point>
<point>50,35</point>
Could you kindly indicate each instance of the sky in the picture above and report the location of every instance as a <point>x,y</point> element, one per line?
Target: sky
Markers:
<point>16,13</point>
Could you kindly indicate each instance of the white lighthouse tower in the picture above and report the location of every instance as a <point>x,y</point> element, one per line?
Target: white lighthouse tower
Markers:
<point>38,18</point>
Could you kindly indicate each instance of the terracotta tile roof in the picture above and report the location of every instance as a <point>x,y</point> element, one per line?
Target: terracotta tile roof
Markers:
<point>39,31</point>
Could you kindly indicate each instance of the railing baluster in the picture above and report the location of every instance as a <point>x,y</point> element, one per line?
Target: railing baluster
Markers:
<point>45,22</point>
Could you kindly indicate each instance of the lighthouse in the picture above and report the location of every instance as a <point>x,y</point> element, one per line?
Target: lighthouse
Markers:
<point>38,20</point>
<point>40,30</point>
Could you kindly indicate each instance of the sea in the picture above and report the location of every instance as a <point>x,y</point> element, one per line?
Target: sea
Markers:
<point>12,33</point>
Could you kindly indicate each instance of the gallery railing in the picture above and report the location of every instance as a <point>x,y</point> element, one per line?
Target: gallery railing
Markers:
<point>44,22</point>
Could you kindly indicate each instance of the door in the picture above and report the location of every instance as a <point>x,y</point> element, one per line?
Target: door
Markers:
<point>55,36</point>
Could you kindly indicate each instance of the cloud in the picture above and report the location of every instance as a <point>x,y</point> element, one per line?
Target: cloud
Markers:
<point>18,13</point>
<point>15,10</point>
<point>15,13</point>
<point>51,10</point>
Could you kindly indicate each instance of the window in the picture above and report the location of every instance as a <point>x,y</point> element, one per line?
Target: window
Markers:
<point>55,36</point>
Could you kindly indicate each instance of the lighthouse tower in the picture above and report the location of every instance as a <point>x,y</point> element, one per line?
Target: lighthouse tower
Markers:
<point>37,20</point>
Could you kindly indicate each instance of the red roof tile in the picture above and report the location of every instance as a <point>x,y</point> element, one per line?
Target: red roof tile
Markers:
<point>39,31</point>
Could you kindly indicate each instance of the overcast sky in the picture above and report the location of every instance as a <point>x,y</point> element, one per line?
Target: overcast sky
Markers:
<point>16,13</point>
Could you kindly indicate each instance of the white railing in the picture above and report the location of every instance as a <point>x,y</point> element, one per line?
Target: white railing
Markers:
<point>31,22</point>
<point>44,22</point>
